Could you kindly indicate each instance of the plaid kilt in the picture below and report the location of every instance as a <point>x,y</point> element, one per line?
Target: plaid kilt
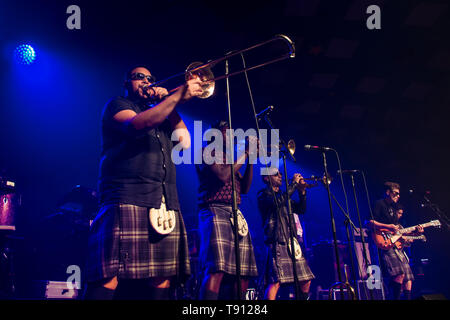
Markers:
<point>217,243</point>
<point>122,243</point>
<point>395,265</point>
<point>280,265</point>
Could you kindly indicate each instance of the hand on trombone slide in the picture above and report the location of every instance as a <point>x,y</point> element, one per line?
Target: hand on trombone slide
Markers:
<point>193,87</point>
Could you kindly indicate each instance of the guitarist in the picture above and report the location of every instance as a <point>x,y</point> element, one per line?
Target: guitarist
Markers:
<point>274,213</point>
<point>395,262</point>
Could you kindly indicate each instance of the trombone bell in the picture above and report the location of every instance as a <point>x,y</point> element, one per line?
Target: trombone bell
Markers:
<point>279,147</point>
<point>204,74</point>
<point>291,146</point>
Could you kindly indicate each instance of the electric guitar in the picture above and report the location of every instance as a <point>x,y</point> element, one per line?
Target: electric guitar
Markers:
<point>385,239</point>
<point>400,244</point>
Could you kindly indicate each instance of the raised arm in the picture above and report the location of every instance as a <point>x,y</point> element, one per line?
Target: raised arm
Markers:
<point>180,130</point>
<point>153,117</point>
<point>223,171</point>
<point>299,184</point>
<point>248,176</point>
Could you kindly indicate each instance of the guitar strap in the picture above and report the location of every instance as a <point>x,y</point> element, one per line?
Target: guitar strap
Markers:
<point>406,256</point>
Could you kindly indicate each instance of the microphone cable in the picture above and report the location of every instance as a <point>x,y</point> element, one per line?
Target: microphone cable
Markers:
<point>355,280</point>
<point>373,229</point>
<point>256,117</point>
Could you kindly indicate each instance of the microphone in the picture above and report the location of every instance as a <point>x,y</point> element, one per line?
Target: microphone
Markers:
<point>309,147</point>
<point>265,112</point>
<point>347,171</point>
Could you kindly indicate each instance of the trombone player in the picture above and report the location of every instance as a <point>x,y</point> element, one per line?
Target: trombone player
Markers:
<point>277,235</point>
<point>137,180</point>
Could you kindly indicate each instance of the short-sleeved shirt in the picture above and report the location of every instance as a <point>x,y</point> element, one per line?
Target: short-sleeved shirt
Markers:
<point>384,212</point>
<point>136,166</point>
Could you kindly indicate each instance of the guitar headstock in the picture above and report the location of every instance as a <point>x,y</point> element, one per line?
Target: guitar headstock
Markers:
<point>435,223</point>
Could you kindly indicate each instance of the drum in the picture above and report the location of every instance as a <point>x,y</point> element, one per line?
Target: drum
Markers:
<point>9,205</point>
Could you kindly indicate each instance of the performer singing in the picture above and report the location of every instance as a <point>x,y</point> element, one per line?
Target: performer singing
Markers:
<point>395,263</point>
<point>272,205</point>
<point>217,246</point>
<point>137,177</point>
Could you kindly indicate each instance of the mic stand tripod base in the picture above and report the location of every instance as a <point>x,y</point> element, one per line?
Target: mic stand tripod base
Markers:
<point>341,286</point>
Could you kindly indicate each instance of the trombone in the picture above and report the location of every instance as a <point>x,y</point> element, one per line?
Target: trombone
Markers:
<point>324,179</point>
<point>204,73</point>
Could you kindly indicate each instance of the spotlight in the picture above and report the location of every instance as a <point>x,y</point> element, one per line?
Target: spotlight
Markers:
<point>25,54</point>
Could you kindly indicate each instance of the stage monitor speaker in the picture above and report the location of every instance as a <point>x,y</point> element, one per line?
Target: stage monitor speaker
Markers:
<point>52,290</point>
<point>336,294</point>
<point>60,290</point>
<point>437,296</point>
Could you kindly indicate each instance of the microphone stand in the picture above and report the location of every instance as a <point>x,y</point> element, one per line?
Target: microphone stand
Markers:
<point>361,232</point>
<point>233,190</point>
<point>349,223</point>
<point>333,225</point>
<point>292,233</point>
<point>371,216</point>
<point>441,215</point>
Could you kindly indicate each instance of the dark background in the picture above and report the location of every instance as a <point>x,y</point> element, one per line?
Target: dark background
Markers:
<point>379,97</point>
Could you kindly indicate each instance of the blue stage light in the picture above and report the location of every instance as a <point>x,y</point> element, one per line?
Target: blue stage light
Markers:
<point>25,54</point>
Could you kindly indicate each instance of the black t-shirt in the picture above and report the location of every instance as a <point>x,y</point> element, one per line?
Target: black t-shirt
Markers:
<point>136,166</point>
<point>384,212</point>
<point>276,224</point>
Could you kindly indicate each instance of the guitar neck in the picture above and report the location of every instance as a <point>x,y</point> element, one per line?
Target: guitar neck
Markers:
<point>410,229</point>
<point>414,237</point>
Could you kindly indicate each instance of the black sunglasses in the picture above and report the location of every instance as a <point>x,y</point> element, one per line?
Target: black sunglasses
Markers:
<point>141,76</point>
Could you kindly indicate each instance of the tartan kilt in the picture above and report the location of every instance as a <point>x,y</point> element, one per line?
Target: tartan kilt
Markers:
<point>217,250</point>
<point>122,243</point>
<point>280,265</point>
<point>395,265</point>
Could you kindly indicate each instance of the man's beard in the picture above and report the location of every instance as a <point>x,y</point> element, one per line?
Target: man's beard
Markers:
<point>144,97</point>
